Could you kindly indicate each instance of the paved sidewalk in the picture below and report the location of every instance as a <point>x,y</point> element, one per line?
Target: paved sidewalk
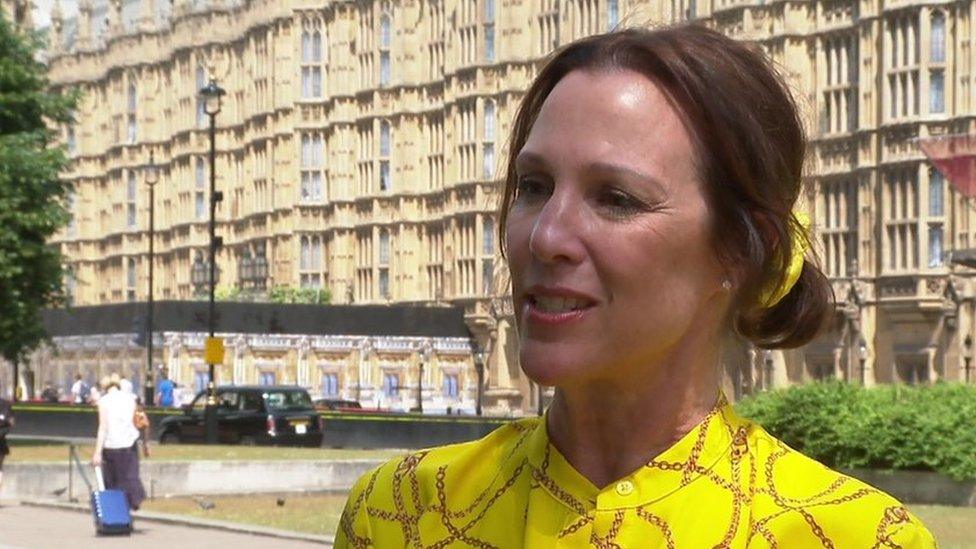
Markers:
<point>23,527</point>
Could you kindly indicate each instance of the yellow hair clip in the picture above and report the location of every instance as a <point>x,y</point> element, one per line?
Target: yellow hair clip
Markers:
<point>774,294</point>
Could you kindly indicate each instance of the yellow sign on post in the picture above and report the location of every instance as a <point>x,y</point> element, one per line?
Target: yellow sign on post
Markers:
<point>213,350</point>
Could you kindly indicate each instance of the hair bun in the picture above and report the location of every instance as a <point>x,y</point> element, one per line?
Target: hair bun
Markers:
<point>796,319</point>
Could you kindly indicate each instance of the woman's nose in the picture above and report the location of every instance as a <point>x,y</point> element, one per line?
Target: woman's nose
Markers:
<point>556,233</point>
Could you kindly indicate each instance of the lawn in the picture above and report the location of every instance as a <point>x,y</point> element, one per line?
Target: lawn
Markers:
<point>183,452</point>
<point>314,514</point>
<point>953,527</point>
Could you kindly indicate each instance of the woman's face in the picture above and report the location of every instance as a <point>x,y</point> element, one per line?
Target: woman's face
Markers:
<point>608,236</point>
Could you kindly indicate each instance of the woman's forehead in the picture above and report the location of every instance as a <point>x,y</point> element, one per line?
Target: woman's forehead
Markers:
<point>610,115</point>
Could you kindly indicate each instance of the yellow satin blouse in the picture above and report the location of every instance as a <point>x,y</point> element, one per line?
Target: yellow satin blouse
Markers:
<point>727,483</point>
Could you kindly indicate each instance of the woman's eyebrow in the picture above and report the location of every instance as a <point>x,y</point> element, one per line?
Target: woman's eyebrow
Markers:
<point>530,157</point>
<point>608,168</point>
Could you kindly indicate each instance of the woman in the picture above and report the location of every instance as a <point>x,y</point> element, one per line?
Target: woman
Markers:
<point>116,449</point>
<point>648,219</point>
<point>7,422</point>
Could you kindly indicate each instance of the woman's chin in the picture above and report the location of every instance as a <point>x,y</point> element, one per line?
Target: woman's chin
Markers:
<point>552,367</point>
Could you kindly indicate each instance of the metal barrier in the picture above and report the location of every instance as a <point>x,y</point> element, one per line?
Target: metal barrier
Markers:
<point>341,429</point>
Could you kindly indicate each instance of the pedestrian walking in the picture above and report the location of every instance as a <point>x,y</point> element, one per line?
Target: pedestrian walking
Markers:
<point>165,395</point>
<point>125,384</point>
<point>116,448</point>
<point>78,390</point>
<point>6,423</point>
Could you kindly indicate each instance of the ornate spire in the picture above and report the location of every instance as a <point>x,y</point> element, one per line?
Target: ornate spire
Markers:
<point>147,19</point>
<point>57,23</point>
<point>113,19</point>
<point>85,33</point>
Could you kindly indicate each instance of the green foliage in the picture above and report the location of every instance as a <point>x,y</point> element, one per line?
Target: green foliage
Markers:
<point>31,195</point>
<point>277,294</point>
<point>287,294</point>
<point>929,428</point>
<point>228,293</point>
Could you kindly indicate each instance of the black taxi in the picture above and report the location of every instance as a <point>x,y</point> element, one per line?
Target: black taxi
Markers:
<point>249,414</point>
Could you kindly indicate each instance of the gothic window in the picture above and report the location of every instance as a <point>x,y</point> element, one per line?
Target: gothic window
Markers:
<point>311,66</point>
<point>937,47</point>
<point>201,83</point>
<point>201,182</point>
<point>488,142</point>
<point>901,219</point>
<point>489,30</point>
<point>130,199</point>
<point>936,92</point>
<point>132,104</point>
<point>386,24</point>
<point>312,172</point>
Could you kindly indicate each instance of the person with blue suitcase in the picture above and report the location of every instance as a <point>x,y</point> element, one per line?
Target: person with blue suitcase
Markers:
<point>116,446</point>
<point>110,509</point>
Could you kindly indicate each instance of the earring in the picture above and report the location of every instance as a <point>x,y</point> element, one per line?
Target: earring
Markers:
<point>726,284</point>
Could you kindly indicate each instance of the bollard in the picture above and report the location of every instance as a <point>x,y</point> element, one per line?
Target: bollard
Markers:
<point>71,472</point>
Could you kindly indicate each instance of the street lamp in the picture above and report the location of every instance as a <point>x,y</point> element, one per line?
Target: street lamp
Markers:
<point>967,355</point>
<point>862,355</point>
<point>767,382</point>
<point>424,357</point>
<point>198,273</point>
<point>212,95</point>
<point>260,271</point>
<point>480,356</point>
<point>152,177</point>
<point>244,268</point>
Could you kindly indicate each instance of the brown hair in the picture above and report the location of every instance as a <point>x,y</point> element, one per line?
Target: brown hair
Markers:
<point>750,147</point>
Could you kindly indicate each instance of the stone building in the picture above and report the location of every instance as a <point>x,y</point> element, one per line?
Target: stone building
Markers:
<point>382,356</point>
<point>359,144</point>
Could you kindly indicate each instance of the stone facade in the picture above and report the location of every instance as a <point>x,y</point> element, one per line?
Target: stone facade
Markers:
<point>359,148</point>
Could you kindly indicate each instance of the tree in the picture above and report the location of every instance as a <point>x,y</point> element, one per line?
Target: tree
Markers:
<point>32,196</point>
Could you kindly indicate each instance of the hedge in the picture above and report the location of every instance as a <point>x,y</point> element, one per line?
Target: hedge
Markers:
<point>927,428</point>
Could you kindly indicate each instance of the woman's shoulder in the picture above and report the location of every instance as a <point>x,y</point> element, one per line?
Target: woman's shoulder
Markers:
<point>414,481</point>
<point>485,454</point>
<point>796,494</point>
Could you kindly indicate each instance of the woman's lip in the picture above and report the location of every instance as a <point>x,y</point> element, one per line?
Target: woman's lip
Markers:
<point>537,316</point>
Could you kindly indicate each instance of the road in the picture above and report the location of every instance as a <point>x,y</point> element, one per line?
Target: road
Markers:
<point>23,527</point>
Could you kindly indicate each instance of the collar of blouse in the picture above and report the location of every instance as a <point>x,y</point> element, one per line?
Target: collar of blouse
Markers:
<point>694,455</point>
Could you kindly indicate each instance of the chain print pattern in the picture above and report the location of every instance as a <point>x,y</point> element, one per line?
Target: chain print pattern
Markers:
<point>735,475</point>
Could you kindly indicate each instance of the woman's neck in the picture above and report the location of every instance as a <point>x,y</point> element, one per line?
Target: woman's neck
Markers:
<point>607,430</point>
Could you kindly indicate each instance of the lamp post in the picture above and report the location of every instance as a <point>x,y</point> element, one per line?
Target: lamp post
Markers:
<point>967,356</point>
<point>212,96</point>
<point>424,357</point>
<point>862,355</point>
<point>152,176</point>
<point>480,356</point>
<point>767,378</point>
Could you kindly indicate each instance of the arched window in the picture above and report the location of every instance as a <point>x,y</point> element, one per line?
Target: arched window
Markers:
<point>304,260</point>
<point>201,82</point>
<point>306,151</point>
<point>385,31</point>
<point>938,38</point>
<point>489,120</point>
<point>385,138</point>
<point>613,15</point>
<point>201,173</point>
<point>386,24</point>
<point>307,47</point>
<point>488,235</point>
<point>317,47</point>
<point>384,247</point>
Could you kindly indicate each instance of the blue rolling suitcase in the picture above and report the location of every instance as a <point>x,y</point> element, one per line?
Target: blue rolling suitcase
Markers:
<point>110,509</point>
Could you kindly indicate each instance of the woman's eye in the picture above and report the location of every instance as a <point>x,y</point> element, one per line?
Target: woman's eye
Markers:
<point>620,202</point>
<point>530,189</point>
